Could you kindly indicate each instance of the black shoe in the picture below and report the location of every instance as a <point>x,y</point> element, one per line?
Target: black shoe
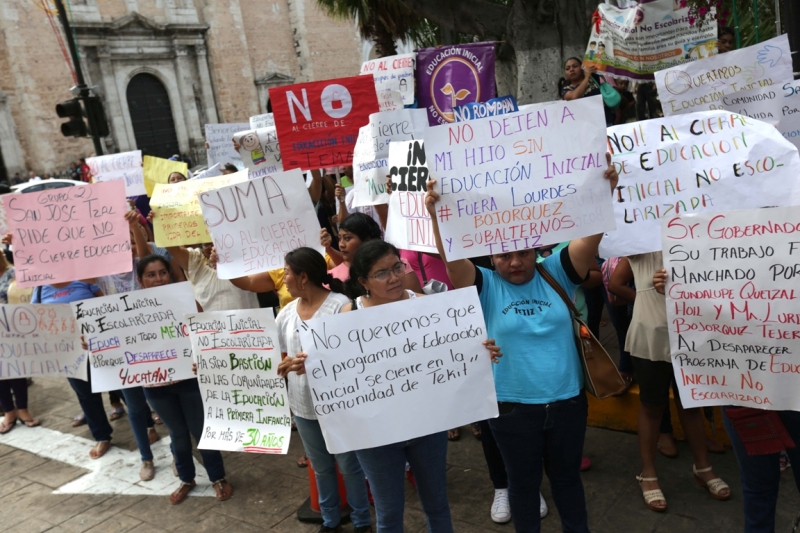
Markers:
<point>326,529</point>
<point>363,529</point>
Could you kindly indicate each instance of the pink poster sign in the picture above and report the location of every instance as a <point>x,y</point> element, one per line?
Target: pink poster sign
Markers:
<point>62,235</point>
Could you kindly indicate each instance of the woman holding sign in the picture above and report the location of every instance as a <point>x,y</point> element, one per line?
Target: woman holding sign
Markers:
<point>539,383</point>
<point>306,273</point>
<point>180,406</point>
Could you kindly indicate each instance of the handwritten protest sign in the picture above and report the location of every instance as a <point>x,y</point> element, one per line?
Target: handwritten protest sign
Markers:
<point>179,219</point>
<point>700,85</point>
<point>256,223</point>
<point>40,340</point>
<point>259,149</point>
<point>157,170</point>
<point>318,121</point>
<point>69,233</point>
<point>390,101</point>
<point>777,106</point>
<point>220,148</point>
<point>408,225</point>
<point>709,161</point>
<point>3,219</point>
<point>491,108</point>
<point>244,399</point>
<point>261,121</point>
<point>734,325</point>
<point>210,172</point>
<point>521,180</point>
<point>634,42</point>
<point>371,374</point>
<point>126,166</point>
<point>138,338</point>
<point>393,74</point>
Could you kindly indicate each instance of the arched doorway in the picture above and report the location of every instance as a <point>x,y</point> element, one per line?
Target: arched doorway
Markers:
<point>151,116</point>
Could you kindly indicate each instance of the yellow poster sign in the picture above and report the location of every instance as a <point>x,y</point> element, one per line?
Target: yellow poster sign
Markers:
<point>179,220</point>
<point>157,170</point>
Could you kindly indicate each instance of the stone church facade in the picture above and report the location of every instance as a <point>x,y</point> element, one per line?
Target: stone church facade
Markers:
<point>163,68</point>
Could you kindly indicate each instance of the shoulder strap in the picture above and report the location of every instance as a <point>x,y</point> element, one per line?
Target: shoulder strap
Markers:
<point>353,305</point>
<point>39,294</point>
<point>559,289</point>
<point>422,268</point>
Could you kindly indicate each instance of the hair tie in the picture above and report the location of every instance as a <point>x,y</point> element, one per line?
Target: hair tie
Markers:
<point>328,278</point>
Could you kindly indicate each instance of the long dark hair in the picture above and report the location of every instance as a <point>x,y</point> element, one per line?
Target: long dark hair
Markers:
<point>152,258</point>
<point>362,226</point>
<point>563,82</point>
<point>310,261</point>
<point>366,256</point>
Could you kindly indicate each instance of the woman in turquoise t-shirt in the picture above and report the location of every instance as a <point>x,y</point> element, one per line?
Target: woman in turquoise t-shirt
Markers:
<point>539,382</point>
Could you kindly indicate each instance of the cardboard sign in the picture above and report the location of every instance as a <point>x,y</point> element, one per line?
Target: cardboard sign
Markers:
<point>208,173</point>
<point>732,293</point>
<point>40,340</point>
<point>261,121</point>
<point>259,149</point>
<point>220,148</point>
<point>254,224</point>
<point>521,180</point>
<point>244,399</point>
<point>179,219</point>
<point>373,372</point>
<point>126,166</point>
<point>138,338</point>
<point>157,170</point>
<point>634,42</point>
<point>69,233</point>
<point>392,74</point>
<point>318,121</point>
<point>700,85</point>
<point>703,162</point>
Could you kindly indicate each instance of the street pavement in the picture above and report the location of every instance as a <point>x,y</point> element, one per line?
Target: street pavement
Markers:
<point>46,486</point>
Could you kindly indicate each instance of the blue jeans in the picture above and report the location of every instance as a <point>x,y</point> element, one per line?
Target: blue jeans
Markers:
<point>532,435</point>
<point>180,406</point>
<point>385,468</point>
<point>140,418</point>
<point>93,410</point>
<point>761,475</point>
<point>327,481</point>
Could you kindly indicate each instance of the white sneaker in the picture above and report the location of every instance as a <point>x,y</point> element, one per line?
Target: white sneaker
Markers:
<point>501,512</point>
<point>542,506</point>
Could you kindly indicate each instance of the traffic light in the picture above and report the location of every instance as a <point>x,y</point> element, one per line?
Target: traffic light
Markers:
<point>72,110</point>
<point>97,116</point>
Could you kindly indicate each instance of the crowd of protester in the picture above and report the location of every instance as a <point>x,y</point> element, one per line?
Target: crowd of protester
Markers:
<point>539,381</point>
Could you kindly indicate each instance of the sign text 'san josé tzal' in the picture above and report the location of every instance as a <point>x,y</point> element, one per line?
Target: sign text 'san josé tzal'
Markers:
<point>138,338</point>
<point>244,399</point>
<point>70,233</point>
<point>733,317</point>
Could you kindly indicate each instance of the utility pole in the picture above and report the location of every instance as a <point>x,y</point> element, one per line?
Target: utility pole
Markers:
<point>89,102</point>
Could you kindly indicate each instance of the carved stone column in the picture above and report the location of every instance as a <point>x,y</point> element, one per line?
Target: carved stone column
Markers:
<point>209,105</point>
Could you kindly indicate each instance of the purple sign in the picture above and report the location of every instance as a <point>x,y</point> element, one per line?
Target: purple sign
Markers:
<point>451,76</point>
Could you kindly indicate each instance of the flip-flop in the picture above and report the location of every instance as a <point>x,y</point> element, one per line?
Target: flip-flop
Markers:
<point>182,492</point>
<point>453,435</point>
<point>116,413</point>
<point>31,422</point>
<point>99,449</point>
<point>79,420</point>
<point>5,428</point>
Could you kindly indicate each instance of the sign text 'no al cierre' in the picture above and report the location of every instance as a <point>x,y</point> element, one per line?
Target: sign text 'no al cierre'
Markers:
<point>60,235</point>
<point>126,166</point>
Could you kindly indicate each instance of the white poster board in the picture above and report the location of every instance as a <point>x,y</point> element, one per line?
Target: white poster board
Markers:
<point>373,374</point>
<point>261,121</point>
<point>732,307</point>
<point>126,166</point>
<point>244,400</point>
<point>704,162</point>
<point>701,85</point>
<point>40,340</point>
<point>521,180</point>
<point>138,338</point>
<point>255,223</point>
<point>393,73</point>
<point>259,149</point>
<point>220,147</point>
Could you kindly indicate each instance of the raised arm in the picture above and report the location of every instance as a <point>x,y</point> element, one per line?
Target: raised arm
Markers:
<point>461,272</point>
<point>582,252</point>
<point>139,234</point>
<point>261,282</point>
<point>315,189</point>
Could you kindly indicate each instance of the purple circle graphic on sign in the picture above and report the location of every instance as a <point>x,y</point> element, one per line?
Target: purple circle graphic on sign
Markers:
<point>455,82</point>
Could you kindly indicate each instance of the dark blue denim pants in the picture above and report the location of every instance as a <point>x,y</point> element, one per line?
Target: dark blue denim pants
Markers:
<point>92,405</point>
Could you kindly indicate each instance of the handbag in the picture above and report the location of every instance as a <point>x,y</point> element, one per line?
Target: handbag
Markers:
<point>761,432</point>
<point>600,375</point>
<point>611,97</point>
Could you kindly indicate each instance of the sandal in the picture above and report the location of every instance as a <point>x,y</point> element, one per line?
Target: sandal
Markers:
<point>31,422</point>
<point>453,435</point>
<point>116,413</point>
<point>476,431</point>
<point>5,428</point>
<point>153,436</point>
<point>220,487</point>
<point>181,492</point>
<point>157,419</point>
<point>79,420</point>
<point>651,496</point>
<point>99,449</point>
<point>303,461</point>
<point>715,486</point>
